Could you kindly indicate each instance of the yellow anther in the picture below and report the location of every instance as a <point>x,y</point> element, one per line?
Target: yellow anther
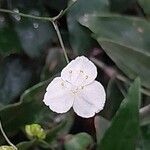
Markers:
<point>70,71</point>
<point>86,77</point>
<point>81,71</point>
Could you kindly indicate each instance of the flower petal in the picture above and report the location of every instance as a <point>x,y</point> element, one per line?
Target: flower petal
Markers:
<point>90,100</point>
<point>58,96</point>
<point>79,72</point>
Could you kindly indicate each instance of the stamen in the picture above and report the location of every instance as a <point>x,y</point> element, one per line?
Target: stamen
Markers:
<point>86,77</point>
<point>81,71</point>
<point>70,71</point>
<point>62,84</point>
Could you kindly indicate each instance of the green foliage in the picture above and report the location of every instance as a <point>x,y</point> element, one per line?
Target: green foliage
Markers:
<point>80,141</point>
<point>16,75</point>
<point>9,41</point>
<point>121,5</point>
<point>82,8</point>
<point>128,38</point>
<point>145,4</point>
<point>30,53</point>
<point>121,135</point>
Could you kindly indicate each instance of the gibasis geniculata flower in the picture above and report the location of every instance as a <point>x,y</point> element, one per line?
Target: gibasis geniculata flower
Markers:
<point>76,88</point>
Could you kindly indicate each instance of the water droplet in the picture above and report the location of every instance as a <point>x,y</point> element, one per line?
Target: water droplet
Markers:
<point>140,29</point>
<point>16,16</point>
<point>85,18</point>
<point>2,19</point>
<point>36,25</point>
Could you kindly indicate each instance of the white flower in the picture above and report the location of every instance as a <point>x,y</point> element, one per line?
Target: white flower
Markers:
<point>76,88</point>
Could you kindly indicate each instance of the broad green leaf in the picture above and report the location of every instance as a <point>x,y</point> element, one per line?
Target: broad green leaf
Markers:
<point>9,42</point>
<point>16,75</point>
<point>124,38</point>
<point>77,33</point>
<point>145,4</point>
<point>25,145</point>
<point>34,36</point>
<point>121,5</point>
<point>79,141</point>
<point>145,138</point>
<point>123,131</point>
<point>114,98</point>
<point>56,4</point>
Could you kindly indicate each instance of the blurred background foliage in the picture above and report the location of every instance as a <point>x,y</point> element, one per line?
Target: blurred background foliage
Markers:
<point>114,34</point>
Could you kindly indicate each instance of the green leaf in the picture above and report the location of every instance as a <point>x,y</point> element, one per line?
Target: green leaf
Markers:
<point>124,38</point>
<point>27,111</point>
<point>145,138</point>
<point>145,4</point>
<point>77,33</point>
<point>16,75</point>
<point>113,103</point>
<point>25,145</point>
<point>56,4</point>
<point>34,36</point>
<point>123,131</point>
<point>121,5</point>
<point>9,41</point>
<point>79,141</point>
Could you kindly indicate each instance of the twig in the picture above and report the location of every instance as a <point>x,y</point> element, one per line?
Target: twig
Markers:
<point>26,15</point>
<point>60,40</point>
<point>62,12</point>
<point>53,20</point>
<point>6,138</point>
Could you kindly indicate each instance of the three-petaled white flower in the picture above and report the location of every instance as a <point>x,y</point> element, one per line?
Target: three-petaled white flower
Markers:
<point>76,88</point>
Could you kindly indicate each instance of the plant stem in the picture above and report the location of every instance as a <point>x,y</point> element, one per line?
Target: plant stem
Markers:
<point>53,20</point>
<point>60,40</point>
<point>26,15</point>
<point>6,138</point>
<point>62,12</point>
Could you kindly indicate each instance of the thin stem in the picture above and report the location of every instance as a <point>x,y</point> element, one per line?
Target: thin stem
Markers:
<point>6,138</point>
<point>62,12</point>
<point>52,20</point>
<point>69,6</point>
<point>60,40</point>
<point>26,15</point>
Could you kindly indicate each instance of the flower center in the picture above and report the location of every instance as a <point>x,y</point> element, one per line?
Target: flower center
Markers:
<point>75,90</point>
<point>72,88</point>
